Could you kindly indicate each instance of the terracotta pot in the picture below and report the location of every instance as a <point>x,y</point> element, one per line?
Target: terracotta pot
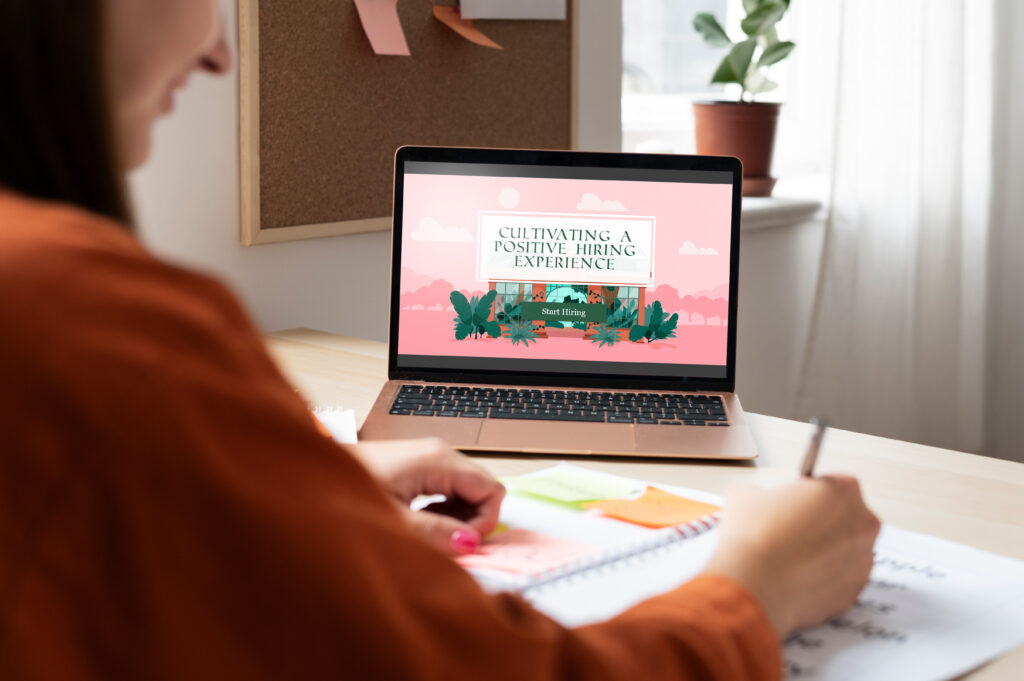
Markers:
<point>742,129</point>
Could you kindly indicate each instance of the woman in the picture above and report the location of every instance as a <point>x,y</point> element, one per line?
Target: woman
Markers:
<point>167,507</point>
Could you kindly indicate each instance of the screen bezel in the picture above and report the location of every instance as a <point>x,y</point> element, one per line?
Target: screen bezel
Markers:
<point>569,159</point>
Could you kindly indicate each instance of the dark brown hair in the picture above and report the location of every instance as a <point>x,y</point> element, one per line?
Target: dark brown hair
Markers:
<point>57,137</point>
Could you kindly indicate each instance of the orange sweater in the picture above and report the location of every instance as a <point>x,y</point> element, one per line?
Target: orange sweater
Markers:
<point>169,511</point>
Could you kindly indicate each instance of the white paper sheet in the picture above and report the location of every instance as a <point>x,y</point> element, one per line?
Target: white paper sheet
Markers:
<point>341,423</point>
<point>513,9</point>
<point>933,609</point>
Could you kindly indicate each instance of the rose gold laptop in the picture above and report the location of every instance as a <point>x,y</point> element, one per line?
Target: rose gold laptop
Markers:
<point>564,303</point>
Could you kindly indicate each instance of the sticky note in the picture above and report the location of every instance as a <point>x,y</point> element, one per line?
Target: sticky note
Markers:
<point>382,26</point>
<point>655,508</point>
<point>571,486</point>
<point>523,552</point>
<point>519,9</point>
<point>450,17</point>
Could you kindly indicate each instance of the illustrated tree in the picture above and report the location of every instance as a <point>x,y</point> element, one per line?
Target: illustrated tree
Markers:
<point>689,306</point>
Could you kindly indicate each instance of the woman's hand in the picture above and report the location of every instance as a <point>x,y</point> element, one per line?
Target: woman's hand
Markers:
<point>805,549</point>
<point>409,468</point>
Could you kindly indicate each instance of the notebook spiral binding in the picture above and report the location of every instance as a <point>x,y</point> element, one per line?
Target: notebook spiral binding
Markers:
<point>666,537</point>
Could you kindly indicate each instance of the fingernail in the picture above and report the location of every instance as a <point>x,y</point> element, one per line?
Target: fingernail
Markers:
<point>464,541</point>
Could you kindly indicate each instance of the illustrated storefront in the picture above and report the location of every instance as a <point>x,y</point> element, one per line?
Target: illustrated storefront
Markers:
<point>534,263</point>
<point>580,307</point>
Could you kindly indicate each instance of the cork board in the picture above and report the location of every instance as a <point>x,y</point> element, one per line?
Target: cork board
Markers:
<point>321,115</point>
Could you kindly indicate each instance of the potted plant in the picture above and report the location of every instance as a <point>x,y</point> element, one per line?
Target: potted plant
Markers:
<point>746,128</point>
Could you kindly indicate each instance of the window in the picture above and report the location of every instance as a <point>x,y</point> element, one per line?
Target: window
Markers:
<point>509,293</point>
<point>666,66</point>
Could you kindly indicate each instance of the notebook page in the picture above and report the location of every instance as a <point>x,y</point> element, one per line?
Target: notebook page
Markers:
<point>932,610</point>
<point>601,594</point>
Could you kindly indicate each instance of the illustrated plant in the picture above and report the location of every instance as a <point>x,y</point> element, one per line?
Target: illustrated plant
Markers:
<point>605,335</point>
<point>748,58</point>
<point>520,332</point>
<point>658,326</point>
<point>511,313</point>
<point>472,319</point>
<point>623,315</point>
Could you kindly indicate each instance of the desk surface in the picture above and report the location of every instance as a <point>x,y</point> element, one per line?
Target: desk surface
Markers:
<point>967,498</point>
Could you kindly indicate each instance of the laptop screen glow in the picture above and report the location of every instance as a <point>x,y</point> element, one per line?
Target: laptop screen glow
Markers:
<point>569,270</point>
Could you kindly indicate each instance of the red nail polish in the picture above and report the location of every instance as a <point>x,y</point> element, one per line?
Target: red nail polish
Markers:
<point>464,541</point>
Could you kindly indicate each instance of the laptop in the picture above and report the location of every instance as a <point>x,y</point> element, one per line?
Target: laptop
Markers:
<point>567,303</point>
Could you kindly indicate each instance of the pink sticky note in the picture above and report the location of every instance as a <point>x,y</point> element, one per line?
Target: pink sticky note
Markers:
<point>382,26</point>
<point>450,17</point>
<point>524,552</point>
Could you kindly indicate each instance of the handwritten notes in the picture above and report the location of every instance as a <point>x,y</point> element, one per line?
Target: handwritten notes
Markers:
<point>450,17</point>
<point>572,486</point>
<point>654,509</point>
<point>524,552</point>
<point>932,610</point>
<point>382,26</point>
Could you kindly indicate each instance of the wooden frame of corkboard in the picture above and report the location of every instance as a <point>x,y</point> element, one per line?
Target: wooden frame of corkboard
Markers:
<point>312,91</point>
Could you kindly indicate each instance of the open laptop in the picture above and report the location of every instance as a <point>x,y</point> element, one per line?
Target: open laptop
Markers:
<point>564,303</point>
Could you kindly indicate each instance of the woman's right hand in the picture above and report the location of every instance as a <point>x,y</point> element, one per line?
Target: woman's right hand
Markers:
<point>805,549</point>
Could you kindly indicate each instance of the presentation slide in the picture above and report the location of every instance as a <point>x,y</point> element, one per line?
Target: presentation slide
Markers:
<point>575,270</point>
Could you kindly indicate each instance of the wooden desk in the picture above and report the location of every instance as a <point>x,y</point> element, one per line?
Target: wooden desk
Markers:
<point>970,499</point>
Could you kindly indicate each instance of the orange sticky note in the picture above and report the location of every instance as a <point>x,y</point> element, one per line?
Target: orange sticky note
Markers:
<point>450,17</point>
<point>383,27</point>
<point>654,509</point>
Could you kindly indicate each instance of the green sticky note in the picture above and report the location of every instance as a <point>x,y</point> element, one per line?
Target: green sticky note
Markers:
<point>571,486</point>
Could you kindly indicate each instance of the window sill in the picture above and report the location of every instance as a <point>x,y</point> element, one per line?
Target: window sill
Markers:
<point>777,211</point>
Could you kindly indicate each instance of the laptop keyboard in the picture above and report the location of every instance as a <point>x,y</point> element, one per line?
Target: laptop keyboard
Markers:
<point>669,409</point>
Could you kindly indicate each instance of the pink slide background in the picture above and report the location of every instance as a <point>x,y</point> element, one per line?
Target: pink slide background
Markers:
<point>691,258</point>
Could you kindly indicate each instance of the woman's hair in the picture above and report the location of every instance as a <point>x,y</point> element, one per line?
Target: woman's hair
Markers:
<point>57,138</point>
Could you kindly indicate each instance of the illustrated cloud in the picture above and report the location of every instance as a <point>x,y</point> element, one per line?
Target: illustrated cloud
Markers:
<point>431,230</point>
<point>688,248</point>
<point>593,202</point>
<point>508,198</point>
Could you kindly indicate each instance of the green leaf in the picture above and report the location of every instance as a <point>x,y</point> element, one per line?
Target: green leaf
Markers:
<point>462,329</point>
<point>707,25</point>
<point>461,305</point>
<point>756,82</point>
<point>637,332</point>
<point>775,53</point>
<point>733,68</point>
<point>493,329</point>
<point>763,18</point>
<point>750,5</point>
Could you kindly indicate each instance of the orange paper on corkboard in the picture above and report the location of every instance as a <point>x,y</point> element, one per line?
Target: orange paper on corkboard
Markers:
<point>655,508</point>
<point>451,18</point>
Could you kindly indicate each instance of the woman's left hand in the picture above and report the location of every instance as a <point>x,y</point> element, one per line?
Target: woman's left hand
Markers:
<point>409,468</point>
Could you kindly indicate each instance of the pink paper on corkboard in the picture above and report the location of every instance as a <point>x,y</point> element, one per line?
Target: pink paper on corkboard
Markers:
<point>383,27</point>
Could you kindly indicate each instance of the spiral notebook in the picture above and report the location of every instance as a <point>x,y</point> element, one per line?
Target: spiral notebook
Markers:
<point>932,609</point>
<point>556,536</point>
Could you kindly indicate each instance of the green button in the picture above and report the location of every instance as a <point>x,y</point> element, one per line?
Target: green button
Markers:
<point>565,312</point>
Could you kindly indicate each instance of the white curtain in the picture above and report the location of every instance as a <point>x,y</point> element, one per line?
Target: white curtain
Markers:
<point>897,339</point>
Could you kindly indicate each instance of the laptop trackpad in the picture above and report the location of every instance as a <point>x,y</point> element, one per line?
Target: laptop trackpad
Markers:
<point>555,436</point>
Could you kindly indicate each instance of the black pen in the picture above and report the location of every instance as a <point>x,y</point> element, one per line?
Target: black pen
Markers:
<point>811,457</point>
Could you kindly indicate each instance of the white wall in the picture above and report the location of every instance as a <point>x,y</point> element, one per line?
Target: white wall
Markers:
<point>187,200</point>
<point>1005,432</point>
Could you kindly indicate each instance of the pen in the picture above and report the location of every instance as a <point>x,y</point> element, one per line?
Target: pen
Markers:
<point>811,457</point>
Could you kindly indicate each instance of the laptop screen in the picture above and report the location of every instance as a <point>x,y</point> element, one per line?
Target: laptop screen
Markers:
<point>564,264</point>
